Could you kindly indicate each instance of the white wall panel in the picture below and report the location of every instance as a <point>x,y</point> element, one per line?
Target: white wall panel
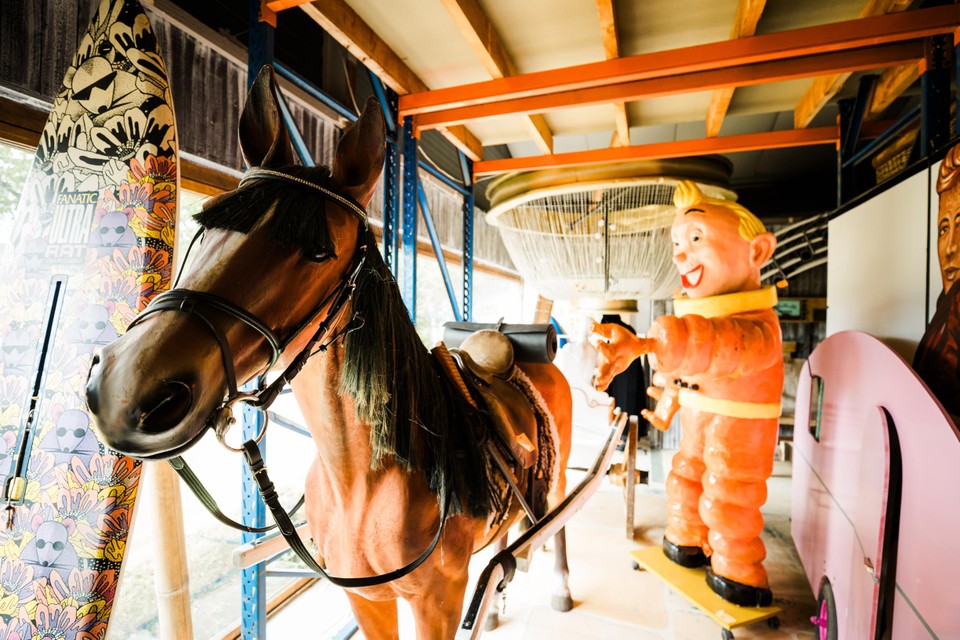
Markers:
<point>877,274</point>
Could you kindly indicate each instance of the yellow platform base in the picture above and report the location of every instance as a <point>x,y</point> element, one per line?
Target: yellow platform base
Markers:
<point>692,585</point>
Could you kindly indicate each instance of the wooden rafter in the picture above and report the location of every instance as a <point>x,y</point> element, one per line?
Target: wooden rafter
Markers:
<point>611,49</point>
<point>891,84</point>
<point>678,149</point>
<point>744,25</point>
<point>356,36</point>
<point>840,36</point>
<point>476,29</point>
<point>731,76</point>
<point>824,88</point>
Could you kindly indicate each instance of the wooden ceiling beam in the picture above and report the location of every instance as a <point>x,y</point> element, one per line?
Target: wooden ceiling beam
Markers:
<point>890,86</point>
<point>744,25</point>
<point>678,149</point>
<point>839,36</point>
<point>736,76</point>
<point>823,89</point>
<point>346,27</point>
<point>475,27</point>
<point>611,50</point>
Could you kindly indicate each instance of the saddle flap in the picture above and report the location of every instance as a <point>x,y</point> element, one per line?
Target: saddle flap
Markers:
<point>509,409</point>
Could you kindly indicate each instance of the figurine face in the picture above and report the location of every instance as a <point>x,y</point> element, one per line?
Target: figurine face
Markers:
<point>711,255</point>
<point>948,237</point>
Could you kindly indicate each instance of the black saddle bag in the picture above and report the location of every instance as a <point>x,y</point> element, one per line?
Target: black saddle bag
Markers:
<point>536,343</point>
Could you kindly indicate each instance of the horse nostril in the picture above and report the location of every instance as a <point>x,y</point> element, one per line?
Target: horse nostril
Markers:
<point>165,407</point>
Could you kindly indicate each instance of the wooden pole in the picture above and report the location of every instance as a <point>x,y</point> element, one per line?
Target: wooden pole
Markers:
<point>544,309</point>
<point>171,576</point>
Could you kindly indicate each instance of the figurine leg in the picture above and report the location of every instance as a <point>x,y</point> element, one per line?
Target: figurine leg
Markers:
<point>738,454</point>
<point>686,533</point>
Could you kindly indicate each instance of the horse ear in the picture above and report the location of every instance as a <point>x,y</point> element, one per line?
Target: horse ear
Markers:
<point>264,139</point>
<point>359,159</point>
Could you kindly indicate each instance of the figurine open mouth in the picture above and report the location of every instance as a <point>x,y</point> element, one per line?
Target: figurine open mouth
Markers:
<point>692,278</point>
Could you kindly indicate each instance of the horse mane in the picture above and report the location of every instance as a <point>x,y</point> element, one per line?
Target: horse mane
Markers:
<point>413,412</point>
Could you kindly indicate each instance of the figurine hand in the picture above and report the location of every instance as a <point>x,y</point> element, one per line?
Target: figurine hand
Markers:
<point>668,403</point>
<point>617,348</point>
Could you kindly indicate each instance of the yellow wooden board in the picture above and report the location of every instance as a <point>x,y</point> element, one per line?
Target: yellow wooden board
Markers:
<point>692,584</point>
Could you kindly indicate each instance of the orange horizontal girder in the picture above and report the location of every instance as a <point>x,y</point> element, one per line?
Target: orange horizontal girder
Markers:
<point>737,76</point>
<point>678,149</point>
<point>840,36</point>
<point>281,5</point>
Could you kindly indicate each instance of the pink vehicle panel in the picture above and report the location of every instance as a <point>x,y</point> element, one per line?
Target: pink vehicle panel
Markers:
<point>887,463</point>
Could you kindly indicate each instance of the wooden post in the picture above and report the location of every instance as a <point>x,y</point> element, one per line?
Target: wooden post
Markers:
<point>544,309</point>
<point>630,475</point>
<point>171,577</point>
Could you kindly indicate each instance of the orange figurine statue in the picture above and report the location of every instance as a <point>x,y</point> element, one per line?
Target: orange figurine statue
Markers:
<point>719,362</point>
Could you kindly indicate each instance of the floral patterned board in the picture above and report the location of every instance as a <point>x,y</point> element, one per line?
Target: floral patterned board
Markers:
<point>98,213</point>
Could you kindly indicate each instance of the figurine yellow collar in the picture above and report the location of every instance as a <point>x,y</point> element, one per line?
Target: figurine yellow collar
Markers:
<point>726,304</point>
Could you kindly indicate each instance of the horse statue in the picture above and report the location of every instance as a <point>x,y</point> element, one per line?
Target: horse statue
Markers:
<point>288,274</point>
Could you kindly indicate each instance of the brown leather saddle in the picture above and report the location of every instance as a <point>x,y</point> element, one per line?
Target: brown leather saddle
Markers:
<point>483,369</point>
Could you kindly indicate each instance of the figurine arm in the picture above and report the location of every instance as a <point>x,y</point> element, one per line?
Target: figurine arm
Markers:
<point>722,346</point>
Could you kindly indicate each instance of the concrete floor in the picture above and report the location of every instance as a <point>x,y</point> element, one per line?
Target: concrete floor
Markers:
<point>611,599</point>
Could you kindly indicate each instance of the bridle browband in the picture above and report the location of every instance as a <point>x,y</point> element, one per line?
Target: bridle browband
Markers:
<point>199,304</point>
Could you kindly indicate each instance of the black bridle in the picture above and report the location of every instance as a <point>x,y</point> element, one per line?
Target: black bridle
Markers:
<point>199,304</point>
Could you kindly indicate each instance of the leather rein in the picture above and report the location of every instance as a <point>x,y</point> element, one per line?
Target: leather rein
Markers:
<point>199,304</point>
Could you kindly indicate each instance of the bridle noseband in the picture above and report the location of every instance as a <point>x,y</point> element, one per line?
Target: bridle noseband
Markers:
<point>199,303</point>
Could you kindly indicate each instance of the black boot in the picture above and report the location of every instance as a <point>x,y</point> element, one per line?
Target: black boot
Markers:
<point>738,593</point>
<point>691,557</point>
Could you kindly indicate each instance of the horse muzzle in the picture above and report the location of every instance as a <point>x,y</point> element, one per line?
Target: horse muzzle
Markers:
<point>139,417</point>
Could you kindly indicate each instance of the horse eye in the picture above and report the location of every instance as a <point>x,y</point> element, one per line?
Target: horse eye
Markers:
<point>320,256</point>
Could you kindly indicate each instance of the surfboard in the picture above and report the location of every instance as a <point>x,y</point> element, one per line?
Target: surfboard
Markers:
<point>91,242</point>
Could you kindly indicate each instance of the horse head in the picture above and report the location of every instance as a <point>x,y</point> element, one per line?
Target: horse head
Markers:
<point>275,257</point>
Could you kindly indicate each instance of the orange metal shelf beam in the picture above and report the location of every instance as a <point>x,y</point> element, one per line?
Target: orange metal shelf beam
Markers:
<point>734,76</point>
<point>282,5</point>
<point>840,36</point>
<point>661,150</point>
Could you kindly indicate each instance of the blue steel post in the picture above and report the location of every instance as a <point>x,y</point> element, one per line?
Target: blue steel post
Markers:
<point>408,280</point>
<point>391,174</point>
<point>253,583</point>
<point>391,205</point>
<point>852,114</point>
<point>935,95</point>
<point>438,251</point>
<point>259,44</point>
<point>253,588</point>
<point>466,167</point>
<point>844,188</point>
